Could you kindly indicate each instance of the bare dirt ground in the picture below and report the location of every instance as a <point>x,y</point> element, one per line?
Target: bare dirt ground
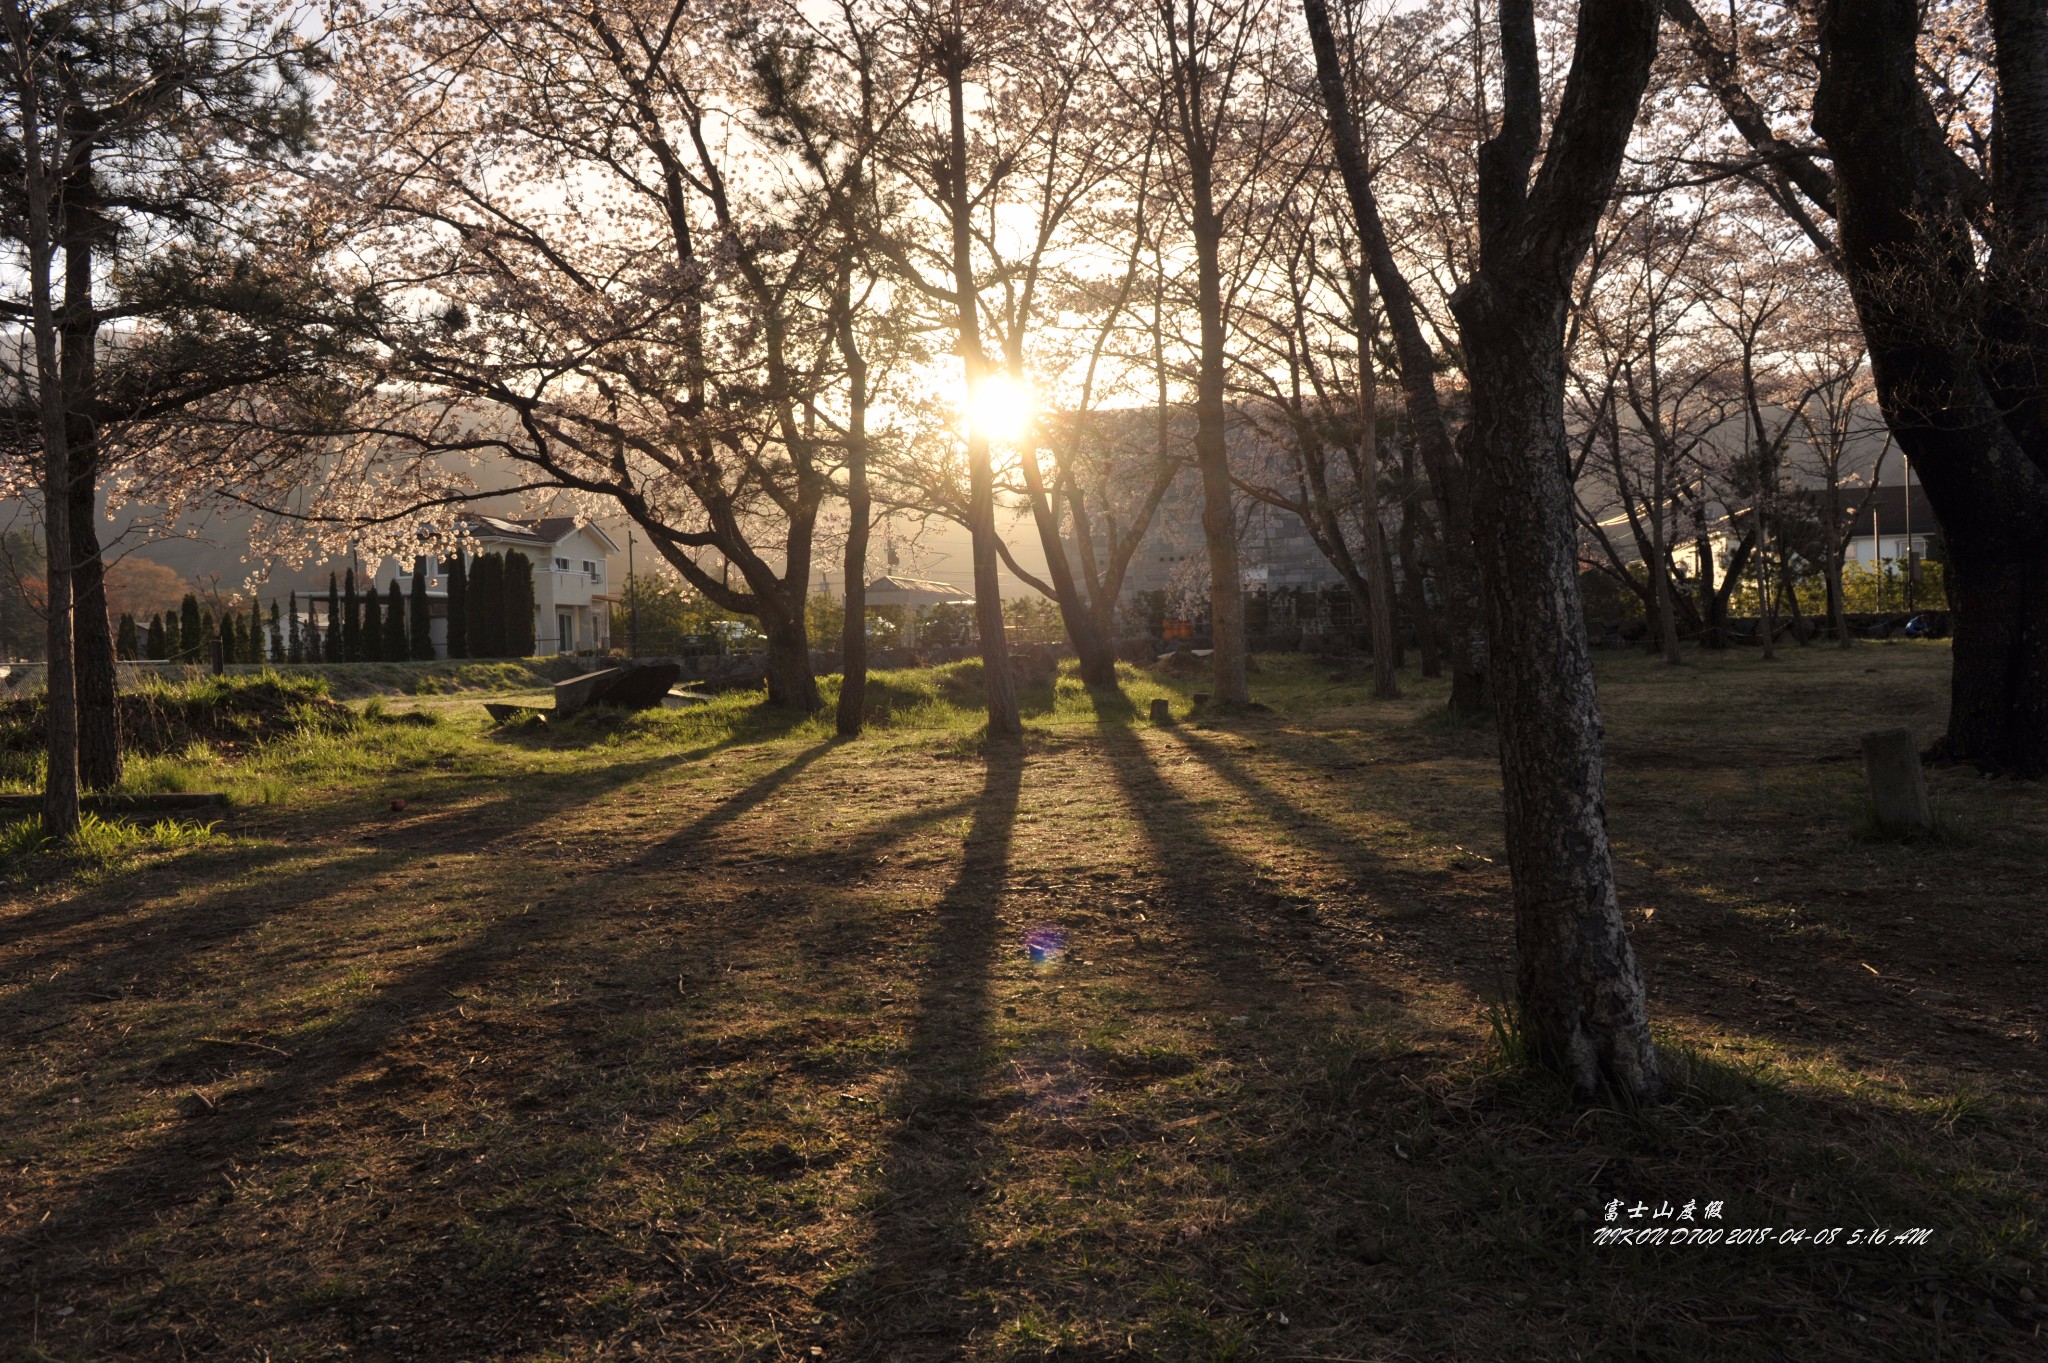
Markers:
<point>1124,1042</point>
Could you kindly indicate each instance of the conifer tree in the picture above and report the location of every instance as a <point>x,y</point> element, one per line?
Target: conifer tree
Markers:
<point>295,639</point>
<point>458,606</point>
<point>351,650</point>
<point>420,621</point>
<point>518,592</point>
<point>277,653</point>
<point>318,642</point>
<point>154,645</point>
<point>125,642</point>
<point>486,609</point>
<point>252,635</point>
<point>397,637</point>
<point>230,637</point>
<point>371,633</point>
<point>209,635</point>
<point>189,637</point>
<point>328,635</point>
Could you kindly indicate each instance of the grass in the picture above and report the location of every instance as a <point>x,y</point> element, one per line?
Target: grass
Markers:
<point>700,1034</point>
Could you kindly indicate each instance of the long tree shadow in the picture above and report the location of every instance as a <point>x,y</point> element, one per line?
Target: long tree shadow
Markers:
<point>1211,890</point>
<point>912,1298</point>
<point>123,1198</point>
<point>153,942</point>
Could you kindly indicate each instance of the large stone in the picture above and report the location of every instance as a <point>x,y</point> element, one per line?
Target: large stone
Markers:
<point>636,686</point>
<point>1898,788</point>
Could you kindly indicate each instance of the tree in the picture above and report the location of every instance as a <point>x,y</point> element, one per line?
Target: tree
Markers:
<point>157,648</point>
<point>145,241</point>
<point>330,647</point>
<point>517,595</point>
<point>485,610</point>
<point>1957,336</point>
<point>209,635</point>
<point>1579,990</point>
<point>1417,366</point>
<point>371,635</point>
<point>125,646</point>
<point>229,636</point>
<point>189,633</point>
<point>351,620</point>
<point>295,638</point>
<point>397,633</point>
<point>252,637</point>
<point>458,605</point>
<point>542,325</point>
<point>277,643</point>
<point>1935,152</point>
<point>419,621</point>
<point>1217,116</point>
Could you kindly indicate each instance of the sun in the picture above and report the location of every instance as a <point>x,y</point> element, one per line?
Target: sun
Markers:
<point>1000,409</point>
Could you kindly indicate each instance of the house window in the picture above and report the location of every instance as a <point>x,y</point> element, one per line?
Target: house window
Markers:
<point>561,565</point>
<point>596,573</point>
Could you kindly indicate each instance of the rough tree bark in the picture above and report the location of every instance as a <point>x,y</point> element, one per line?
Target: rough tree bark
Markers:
<point>1957,346</point>
<point>1581,997</point>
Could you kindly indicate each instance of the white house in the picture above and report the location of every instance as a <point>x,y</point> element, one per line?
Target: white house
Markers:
<point>571,577</point>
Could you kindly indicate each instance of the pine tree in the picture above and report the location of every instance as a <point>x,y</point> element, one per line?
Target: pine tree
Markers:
<point>230,638</point>
<point>125,642</point>
<point>458,606</point>
<point>157,646</point>
<point>209,635</point>
<point>351,622</point>
<point>397,641</point>
<point>518,590</point>
<point>372,630</point>
<point>188,629</point>
<point>328,634</point>
<point>252,637</point>
<point>487,607</point>
<point>420,621</point>
<point>318,642</point>
<point>277,653</point>
<point>295,639</point>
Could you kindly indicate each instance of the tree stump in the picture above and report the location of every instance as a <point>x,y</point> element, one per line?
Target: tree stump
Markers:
<point>1898,789</point>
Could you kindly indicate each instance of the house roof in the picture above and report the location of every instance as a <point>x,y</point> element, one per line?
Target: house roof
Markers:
<point>914,591</point>
<point>1897,514</point>
<point>545,530</point>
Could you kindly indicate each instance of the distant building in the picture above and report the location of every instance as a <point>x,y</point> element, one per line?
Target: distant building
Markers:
<point>1898,522</point>
<point>571,577</point>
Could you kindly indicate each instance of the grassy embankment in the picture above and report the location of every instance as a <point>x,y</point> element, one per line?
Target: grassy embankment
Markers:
<point>699,1035</point>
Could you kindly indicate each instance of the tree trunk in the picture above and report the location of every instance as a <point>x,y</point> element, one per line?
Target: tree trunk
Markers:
<point>791,683</point>
<point>99,730</point>
<point>853,638</point>
<point>1212,457</point>
<point>1583,1011</point>
<point>1415,597</point>
<point>1091,646</point>
<point>1581,993</point>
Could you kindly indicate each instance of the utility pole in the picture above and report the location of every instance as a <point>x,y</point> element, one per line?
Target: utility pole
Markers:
<point>632,601</point>
<point>1906,500</point>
